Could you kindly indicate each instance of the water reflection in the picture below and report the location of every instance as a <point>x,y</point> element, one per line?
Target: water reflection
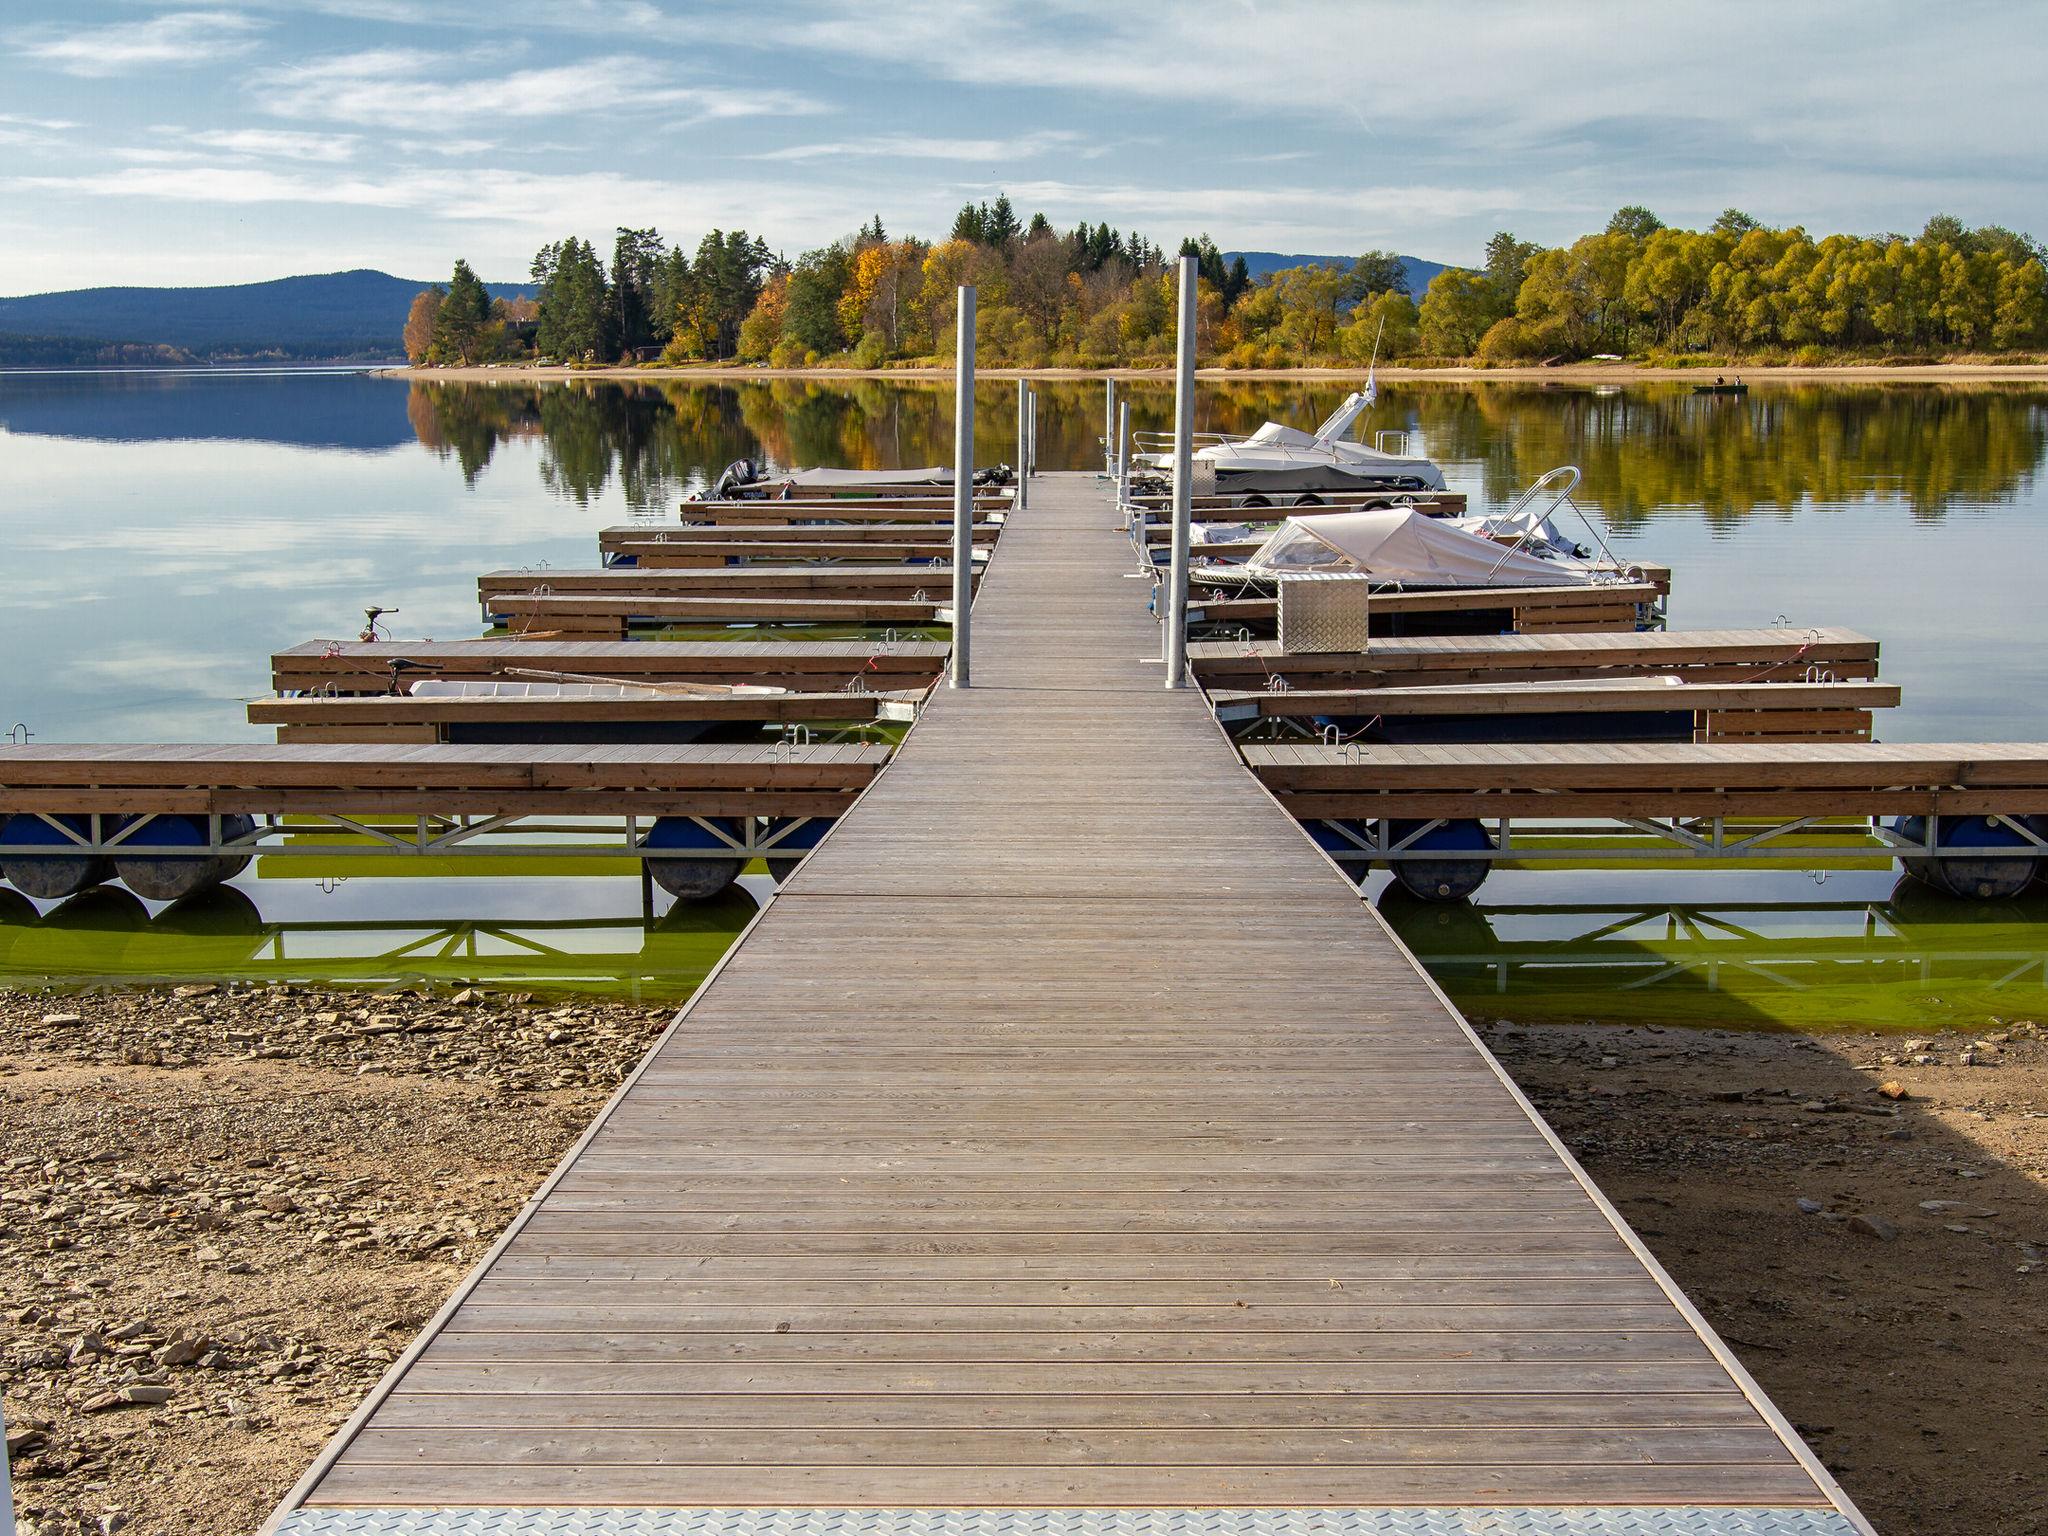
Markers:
<point>260,933</point>
<point>1906,960</point>
<point>1648,451</point>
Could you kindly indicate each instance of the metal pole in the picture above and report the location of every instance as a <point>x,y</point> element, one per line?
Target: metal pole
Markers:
<point>1023,496</point>
<point>1123,452</point>
<point>963,487</point>
<point>6,1493</point>
<point>1109,421</point>
<point>1176,649</point>
<point>1031,420</point>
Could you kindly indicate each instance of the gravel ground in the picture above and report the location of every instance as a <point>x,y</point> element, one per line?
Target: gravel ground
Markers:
<point>224,1211</point>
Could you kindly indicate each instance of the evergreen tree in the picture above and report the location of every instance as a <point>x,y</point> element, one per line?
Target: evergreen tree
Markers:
<point>636,257</point>
<point>1635,220</point>
<point>459,324</point>
<point>1000,225</point>
<point>1378,272</point>
<point>575,310</point>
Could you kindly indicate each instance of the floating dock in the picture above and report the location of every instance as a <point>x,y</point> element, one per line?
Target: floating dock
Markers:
<point>1067,1151</point>
<point>354,667</point>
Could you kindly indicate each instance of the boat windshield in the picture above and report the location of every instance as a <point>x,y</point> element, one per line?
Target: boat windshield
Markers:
<point>1293,548</point>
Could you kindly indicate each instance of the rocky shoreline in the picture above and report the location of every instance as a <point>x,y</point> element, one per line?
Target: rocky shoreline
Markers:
<point>225,1211</point>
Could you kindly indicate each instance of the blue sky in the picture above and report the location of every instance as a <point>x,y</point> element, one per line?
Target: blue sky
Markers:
<point>234,140</point>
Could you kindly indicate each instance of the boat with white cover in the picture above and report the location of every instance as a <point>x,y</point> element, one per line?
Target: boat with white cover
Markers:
<point>1279,462</point>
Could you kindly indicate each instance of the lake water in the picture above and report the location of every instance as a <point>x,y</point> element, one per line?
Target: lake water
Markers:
<point>163,534</point>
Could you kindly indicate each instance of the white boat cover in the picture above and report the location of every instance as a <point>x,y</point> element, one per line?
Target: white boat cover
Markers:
<point>854,479</point>
<point>1399,544</point>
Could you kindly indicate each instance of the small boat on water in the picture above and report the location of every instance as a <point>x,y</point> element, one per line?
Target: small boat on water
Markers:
<point>1278,462</point>
<point>746,480</point>
<point>1722,387</point>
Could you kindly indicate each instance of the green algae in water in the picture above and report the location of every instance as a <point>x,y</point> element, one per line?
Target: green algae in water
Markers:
<point>1914,961</point>
<point>106,937</point>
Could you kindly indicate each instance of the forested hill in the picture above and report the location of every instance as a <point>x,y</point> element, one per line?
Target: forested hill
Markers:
<point>351,315</point>
<point>1259,264</point>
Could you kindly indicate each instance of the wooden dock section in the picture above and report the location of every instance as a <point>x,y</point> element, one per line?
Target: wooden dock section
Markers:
<point>1068,1151</point>
<point>357,667</point>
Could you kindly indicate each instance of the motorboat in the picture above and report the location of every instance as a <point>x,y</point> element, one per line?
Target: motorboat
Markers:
<point>747,480</point>
<point>1526,529</point>
<point>1278,462</point>
<point>1404,547</point>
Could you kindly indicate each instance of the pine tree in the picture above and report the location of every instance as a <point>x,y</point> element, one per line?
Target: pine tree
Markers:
<point>459,325</point>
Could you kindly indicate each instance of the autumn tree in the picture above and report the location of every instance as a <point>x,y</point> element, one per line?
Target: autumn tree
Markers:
<point>1458,308</point>
<point>419,323</point>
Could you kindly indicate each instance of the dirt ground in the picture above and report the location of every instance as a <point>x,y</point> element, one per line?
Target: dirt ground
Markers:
<point>1879,1263</point>
<point>224,1212</point>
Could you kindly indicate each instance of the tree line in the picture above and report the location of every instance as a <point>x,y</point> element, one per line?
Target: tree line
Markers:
<point>1095,296</point>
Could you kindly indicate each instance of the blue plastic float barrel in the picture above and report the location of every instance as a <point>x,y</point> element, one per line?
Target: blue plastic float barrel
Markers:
<point>1442,879</point>
<point>48,876</point>
<point>803,835</point>
<point>1994,877</point>
<point>165,858</point>
<point>685,878</point>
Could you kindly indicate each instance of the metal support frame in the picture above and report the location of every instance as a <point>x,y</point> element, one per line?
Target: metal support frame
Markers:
<point>509,836</point>
<point>1175,651</point>
<point>1023,496</point>
<point>1678,837</point>
<point>963,489</point>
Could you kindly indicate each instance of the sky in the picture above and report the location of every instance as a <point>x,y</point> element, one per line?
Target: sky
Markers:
<point>237,140</point>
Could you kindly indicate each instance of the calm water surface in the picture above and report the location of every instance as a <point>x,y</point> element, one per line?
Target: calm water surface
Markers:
<point>163,534</point>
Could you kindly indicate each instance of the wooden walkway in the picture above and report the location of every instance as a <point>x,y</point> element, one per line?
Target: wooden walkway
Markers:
<point>1067,1136</point>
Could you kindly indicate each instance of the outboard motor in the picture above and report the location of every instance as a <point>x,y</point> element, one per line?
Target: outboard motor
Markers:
<point>1002,474</point>
<point>736,474</point>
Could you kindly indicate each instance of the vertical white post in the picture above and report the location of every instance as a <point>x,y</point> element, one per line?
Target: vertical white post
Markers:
<point>1176,648</point>
<point>1122,443</point>
<point>1023,496</point>
<point>1031,423</point>
<point>1109,424</point>
<point>963,488</point>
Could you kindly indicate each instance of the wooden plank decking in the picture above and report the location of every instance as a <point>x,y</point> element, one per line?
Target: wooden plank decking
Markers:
<point>1067,1135</point>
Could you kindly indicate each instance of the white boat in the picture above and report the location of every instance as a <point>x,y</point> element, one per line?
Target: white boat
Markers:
<point>1279,461</point>
<point>1401,547</point>
<point>748,480</point>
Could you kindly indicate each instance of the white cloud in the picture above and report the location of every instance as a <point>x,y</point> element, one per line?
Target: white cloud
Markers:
<point>174,38</point>
<point>280,143</point>
<point>410,88</point>
<point>904,146</point>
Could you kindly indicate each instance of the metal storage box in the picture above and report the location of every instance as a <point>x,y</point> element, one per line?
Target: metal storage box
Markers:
<point>1324,611</point>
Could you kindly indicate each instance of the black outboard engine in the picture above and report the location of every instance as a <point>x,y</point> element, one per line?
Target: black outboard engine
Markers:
<point>736,474</point>
<point>1002,474</point>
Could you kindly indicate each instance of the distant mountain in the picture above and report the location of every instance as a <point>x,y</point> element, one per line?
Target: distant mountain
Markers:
<point>1259,263</point>
<point>349,315</point>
